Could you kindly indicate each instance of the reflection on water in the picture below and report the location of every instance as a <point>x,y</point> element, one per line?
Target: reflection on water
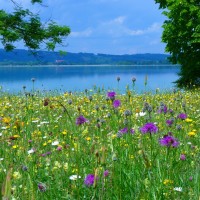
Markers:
<point>79,78</point>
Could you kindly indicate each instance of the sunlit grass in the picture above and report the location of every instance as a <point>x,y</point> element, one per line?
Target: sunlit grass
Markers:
<point>111,152</point>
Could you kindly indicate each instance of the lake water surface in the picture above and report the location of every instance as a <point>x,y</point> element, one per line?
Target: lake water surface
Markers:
<point>79,78</point>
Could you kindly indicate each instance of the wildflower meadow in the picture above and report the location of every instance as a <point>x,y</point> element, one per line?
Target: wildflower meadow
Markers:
<point>100,145</point>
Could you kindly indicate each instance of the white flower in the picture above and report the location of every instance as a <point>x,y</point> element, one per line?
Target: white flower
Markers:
<point>31,151</point>
<point>44,122</point>
<point>74,177</point>
<point>141,114</point>
<point>1,159</point>
<point>35,121</point>
<point>179,189</point>
<point>0,134</point>
<point>3,128</point>
<point>55,143</point>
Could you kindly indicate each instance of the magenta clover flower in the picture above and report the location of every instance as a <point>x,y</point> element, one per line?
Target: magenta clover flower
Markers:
<point>106,173</point>
<point>169,141</point>
<point>182,157</point>
<point>116,103</point>
<point>81,120</point>
<point>89,180</point>
<point>149,128</point>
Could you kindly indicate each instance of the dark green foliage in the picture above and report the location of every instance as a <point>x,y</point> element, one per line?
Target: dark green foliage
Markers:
<point>182,36</point>
<point>23,25</point>
<point>44,57</point>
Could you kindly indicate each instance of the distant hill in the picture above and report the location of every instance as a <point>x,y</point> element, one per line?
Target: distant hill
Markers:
<point>22,57</point>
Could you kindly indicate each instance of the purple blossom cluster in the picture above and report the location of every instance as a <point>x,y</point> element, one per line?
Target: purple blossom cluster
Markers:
<point>89,179</point>
<point>111,95</point>
<point>81,120</point>
<point>149,128</point>
<point>182,116</point>
<point>169,141</point>
<point>116,103</point>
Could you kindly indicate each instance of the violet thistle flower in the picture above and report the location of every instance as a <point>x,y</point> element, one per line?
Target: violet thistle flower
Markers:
<point>124,130</point>
<point>81,120</point>
<point>111,95</point>
<point>182,157</point>
<point>182,116</point>
<point>89,180</point>
<point>169,141</point>
<point>149,128</point>
<point>106,173</point>
<point>116,103</point>
<point>42,187</point>
<point>132,131</point>
<point>169,122</point>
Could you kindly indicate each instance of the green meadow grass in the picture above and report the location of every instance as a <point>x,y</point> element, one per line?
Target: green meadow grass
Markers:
<point>44,154</point>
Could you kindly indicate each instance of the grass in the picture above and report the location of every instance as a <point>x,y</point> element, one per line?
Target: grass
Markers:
<point>47,154</point>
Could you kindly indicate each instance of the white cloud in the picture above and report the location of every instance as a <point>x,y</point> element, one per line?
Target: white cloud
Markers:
<point>84,33</point>
<point>117,20</point>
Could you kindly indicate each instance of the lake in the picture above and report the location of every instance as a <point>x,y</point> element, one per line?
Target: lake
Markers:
<point>78,78</point>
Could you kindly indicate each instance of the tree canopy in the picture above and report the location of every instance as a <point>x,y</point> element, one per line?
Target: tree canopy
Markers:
<point>182,37</point>
<point>23,25</point>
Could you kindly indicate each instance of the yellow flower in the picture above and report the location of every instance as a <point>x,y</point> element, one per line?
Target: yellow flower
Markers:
<point>188,120</point>
<point>192,133</point>
<point>14,146</point>
<point>16,175</point>
<point>167,182</point>
<point>6,120</point>
<point>64,132</point>
<point>16,136</point>
<point>45,144</point>
<point>88,138</point>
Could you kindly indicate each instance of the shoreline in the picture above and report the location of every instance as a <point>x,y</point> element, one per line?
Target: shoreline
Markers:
<point>101,65</point>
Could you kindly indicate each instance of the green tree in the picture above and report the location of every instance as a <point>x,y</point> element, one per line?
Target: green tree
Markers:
<point>23,25</point>
<point>182,37</point>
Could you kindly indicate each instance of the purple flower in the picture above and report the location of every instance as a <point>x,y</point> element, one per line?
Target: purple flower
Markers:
<point>81,120</point>
<point>42,187</point>
<point>111,94</point>
<point>124,130</point>
<point>89,180</point>
<point>182,116</point>
<point>168,141</point>
<point>116,103</point>
<point>149,128</point>
<point>132,131</point>
<point>182,157</point>
<point>169,122</point>
<point>106,173</point>
<point>163,109</point>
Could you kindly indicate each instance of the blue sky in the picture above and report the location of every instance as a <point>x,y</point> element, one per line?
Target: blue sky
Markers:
<point>104,26</point>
